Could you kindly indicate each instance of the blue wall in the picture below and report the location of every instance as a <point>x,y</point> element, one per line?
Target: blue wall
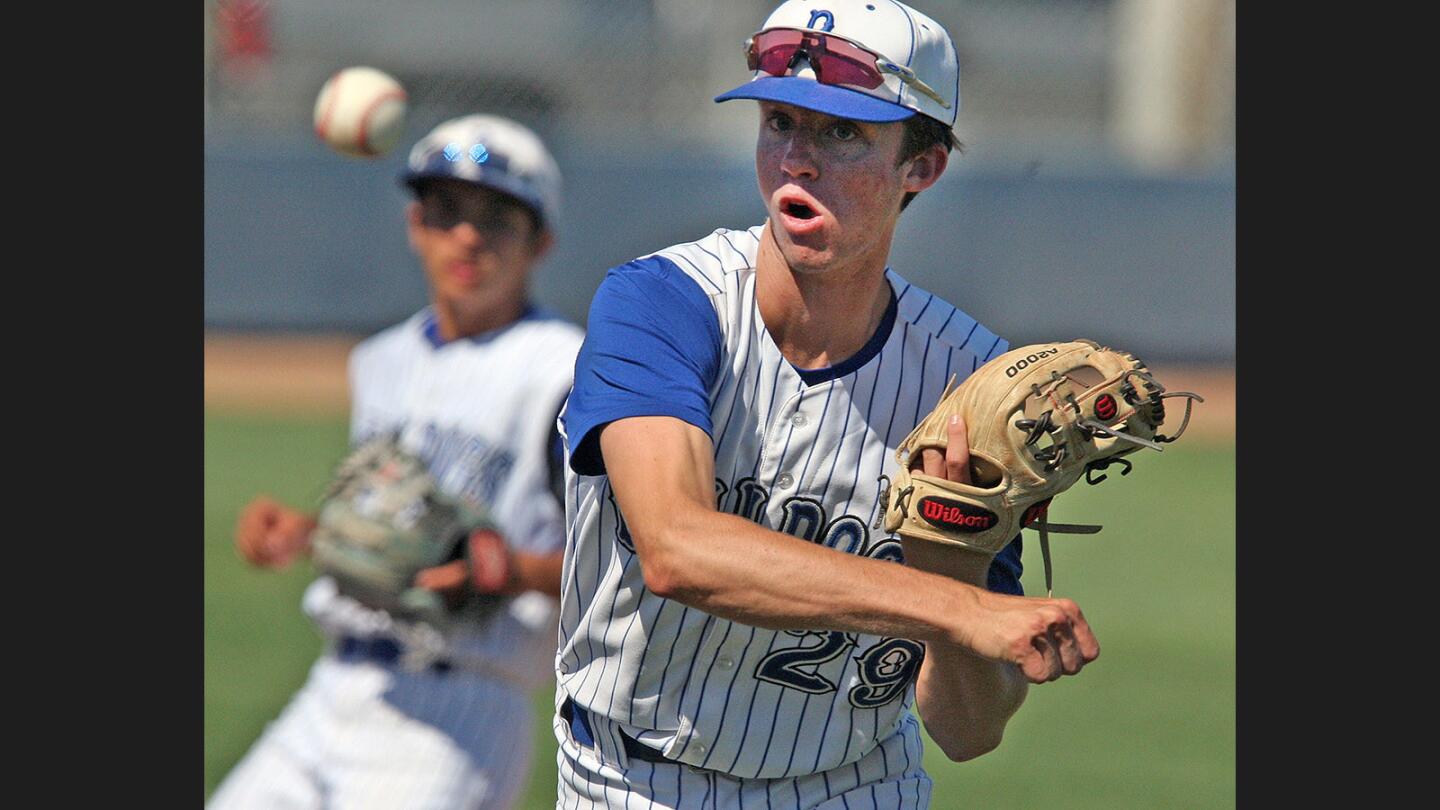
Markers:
<point>299,239</point>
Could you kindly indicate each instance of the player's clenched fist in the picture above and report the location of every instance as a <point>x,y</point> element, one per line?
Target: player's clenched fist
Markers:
<point>270,534</point>
<point>1046,638</point>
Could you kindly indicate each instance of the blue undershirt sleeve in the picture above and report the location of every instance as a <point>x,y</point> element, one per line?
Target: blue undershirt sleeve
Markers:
<point>1005,569</point>
<point>555,458</point>
<point>1004,574</point>
<point>652,348</point>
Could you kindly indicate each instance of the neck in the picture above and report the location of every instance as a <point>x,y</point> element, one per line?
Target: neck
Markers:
<point>819,319</point>
<point>455,320</point>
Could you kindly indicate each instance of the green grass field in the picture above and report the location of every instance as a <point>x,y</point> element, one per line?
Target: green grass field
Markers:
<point>1151,724</point>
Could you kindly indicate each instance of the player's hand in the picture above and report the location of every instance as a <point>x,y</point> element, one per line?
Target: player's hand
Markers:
<point>954,463</point>
<point>1045,638</point>
<point>269,534</point>
<point>488,569</point>
<point>451,581</point>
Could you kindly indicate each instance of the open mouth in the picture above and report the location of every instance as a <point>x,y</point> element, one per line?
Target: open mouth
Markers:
<point>799,210</point>
<point>796,213</point>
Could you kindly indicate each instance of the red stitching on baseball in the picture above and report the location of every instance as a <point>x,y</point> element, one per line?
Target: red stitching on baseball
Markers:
<point>365,117</point>
<point>324,121</point>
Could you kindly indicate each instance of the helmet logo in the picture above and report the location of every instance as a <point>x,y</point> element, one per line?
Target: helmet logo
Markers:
<point>477,153</point>
<point>821,14</point>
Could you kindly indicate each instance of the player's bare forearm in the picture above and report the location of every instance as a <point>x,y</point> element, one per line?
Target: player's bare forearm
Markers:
<point>661,470</point>
<point>536,572</point>
<point>965,700</point>
<point>732,568</point>
<point>495,569</point>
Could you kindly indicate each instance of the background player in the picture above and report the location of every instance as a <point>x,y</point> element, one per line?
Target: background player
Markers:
<point>473,382</point>
<point>737,403</point>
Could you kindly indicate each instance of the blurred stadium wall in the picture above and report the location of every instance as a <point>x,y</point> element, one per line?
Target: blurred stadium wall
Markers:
<point>1098,176</point>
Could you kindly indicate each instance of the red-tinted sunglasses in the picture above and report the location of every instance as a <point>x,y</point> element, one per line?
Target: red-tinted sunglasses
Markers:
<point>834,59</point>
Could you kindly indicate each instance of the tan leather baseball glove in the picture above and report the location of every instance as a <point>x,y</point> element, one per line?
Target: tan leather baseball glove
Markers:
<point>1038,418</point>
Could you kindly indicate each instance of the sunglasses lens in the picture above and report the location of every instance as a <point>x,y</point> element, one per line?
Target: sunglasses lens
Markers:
<point>496,222</point>
<point>439,213</point>
<point>844,63</point>
<point>772,51</point>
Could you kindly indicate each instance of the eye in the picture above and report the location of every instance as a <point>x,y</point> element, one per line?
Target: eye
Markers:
<point>506,225</point>
<point>844,132</point>
<point>778,121</point>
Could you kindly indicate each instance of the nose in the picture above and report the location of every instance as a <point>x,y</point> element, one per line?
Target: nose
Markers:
<point>798,159</point>
<point>467,234</point>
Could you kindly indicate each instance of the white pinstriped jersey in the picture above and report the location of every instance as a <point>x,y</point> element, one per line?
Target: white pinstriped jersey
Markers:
<point>479,411</point>
<point>811,460</point>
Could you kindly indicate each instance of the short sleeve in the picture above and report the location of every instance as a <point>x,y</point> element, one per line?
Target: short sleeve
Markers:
<point>997,348</point>
<point>652,348</point>
<point>1004,574</point>
<point>555,458</point>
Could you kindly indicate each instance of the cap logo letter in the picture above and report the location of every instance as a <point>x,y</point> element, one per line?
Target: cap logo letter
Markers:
<point>821,13</point>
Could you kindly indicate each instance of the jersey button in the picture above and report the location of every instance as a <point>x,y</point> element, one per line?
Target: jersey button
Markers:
<point>725,663</point>
<point>799,420</point>
<point>700,750</point>
<point>784,481</point>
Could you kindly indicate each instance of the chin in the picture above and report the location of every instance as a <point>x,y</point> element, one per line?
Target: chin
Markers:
<point>809,261</point>
<point>810,255</point>
<point>453,293</point>
<point>449,289</point>
<point>807,258</point>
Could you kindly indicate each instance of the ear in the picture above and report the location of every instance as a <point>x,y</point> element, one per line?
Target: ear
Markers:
<point>544,241</point>
<point>413,228</point>
<point>926,167</point>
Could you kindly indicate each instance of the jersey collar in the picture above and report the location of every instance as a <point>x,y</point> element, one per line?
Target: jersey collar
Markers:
<point>872,347</point>
<point>430,327</point>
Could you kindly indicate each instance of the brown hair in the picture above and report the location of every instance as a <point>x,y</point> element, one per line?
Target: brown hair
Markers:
<point>921,133</point>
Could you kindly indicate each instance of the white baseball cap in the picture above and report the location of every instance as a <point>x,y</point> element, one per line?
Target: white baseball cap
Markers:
<point>491,151</point>
<point>916,65</point>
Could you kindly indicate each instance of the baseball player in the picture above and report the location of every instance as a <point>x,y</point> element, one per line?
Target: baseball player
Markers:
<point>736,630</point>
<point>473,384</point>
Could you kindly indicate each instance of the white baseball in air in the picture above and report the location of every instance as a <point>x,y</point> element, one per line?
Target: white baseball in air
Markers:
<point>360,112</point>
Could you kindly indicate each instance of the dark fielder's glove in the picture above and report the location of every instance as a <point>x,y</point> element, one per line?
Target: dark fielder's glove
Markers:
<point>383,519</point>
<point>1037,418</point>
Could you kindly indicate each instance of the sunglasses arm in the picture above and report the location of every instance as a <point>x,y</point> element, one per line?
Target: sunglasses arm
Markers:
<point>908,76</point>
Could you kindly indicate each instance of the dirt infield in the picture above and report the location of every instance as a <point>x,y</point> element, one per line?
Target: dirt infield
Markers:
<point>277,374</point>
<point>295,375</point>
